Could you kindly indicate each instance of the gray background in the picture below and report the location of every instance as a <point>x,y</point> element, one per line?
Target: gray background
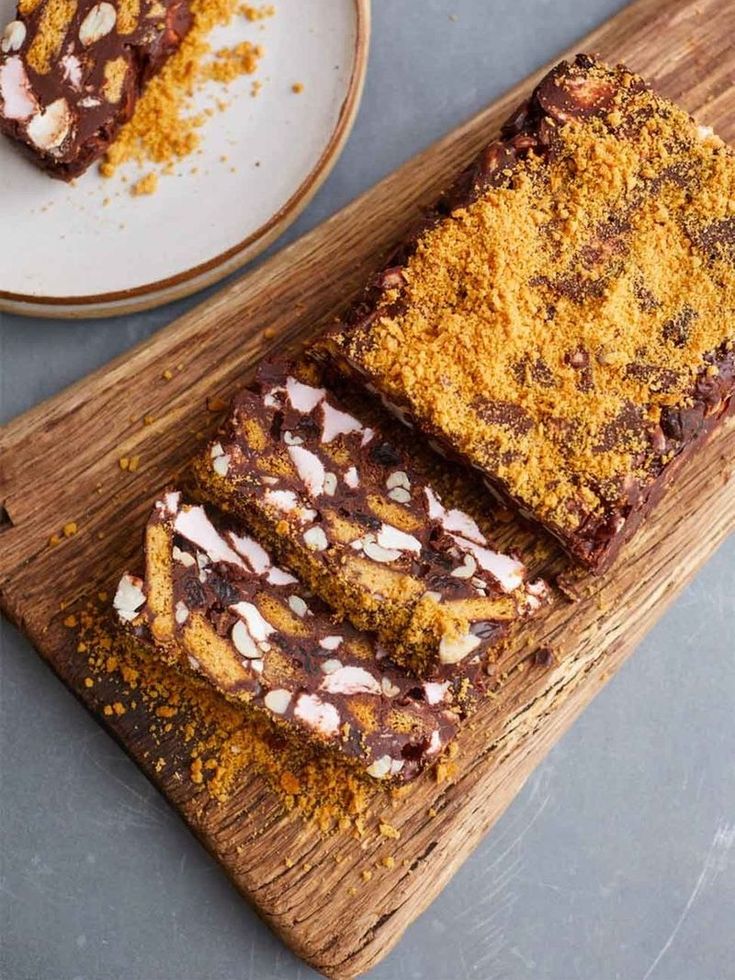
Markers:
<point>617,859</point>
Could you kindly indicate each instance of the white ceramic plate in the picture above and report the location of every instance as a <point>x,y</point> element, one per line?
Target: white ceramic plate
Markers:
<point>65,253</point>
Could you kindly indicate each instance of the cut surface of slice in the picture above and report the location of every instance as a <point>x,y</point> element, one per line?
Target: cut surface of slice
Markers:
<point>213,603</point>
<point>71,72</point>
<point>343,507</point>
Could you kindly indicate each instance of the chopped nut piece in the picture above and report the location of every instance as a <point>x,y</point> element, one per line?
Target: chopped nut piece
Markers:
<point>97,24</point>
<point>289,783</point>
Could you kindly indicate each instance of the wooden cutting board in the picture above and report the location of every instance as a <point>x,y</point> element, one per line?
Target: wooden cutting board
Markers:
<point>59,463</point>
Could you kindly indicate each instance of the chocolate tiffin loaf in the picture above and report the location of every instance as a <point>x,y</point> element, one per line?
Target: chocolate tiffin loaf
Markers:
<point>564,320</point>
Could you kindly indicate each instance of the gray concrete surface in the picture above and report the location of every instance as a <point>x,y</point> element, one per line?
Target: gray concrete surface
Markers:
<point>616,861</point>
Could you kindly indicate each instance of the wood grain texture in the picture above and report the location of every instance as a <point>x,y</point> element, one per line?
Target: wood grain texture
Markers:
<point>59,463</point>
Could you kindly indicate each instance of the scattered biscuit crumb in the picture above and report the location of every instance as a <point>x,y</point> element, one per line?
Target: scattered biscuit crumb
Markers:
<point>252,13</point>
<point>146,185</point>
<point>231,63</point>
<point>70,529</point>
<point>444,771</point>
<point>297,87</point>
<point>290,783</point>
<point>166,122</point>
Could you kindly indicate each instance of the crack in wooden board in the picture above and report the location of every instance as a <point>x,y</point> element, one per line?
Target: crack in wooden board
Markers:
<point>67,450</point>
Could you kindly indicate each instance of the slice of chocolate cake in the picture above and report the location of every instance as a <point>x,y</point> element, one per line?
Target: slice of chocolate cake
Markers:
<point>344,508</point>
<point>71,72</point>
<point>213,603</point>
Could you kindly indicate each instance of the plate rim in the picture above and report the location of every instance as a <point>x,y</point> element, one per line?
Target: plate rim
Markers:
<point>191,280</point>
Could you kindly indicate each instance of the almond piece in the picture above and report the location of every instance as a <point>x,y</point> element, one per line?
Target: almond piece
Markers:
<point>452,651</point>
<point>49,128</point>
<point>97,24</point>
<point>13,36</point>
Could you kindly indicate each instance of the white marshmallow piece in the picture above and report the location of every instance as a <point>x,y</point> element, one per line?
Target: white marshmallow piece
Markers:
<point>337,423</point>
<point>304,398</point>
<point>310,469</point>
<point>350,680</point>
<point>18,99</point>
<point>317,714</point>
<point>194,525</point>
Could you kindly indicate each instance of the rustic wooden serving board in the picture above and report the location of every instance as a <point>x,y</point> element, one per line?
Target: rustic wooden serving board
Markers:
<point>59,463</point>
